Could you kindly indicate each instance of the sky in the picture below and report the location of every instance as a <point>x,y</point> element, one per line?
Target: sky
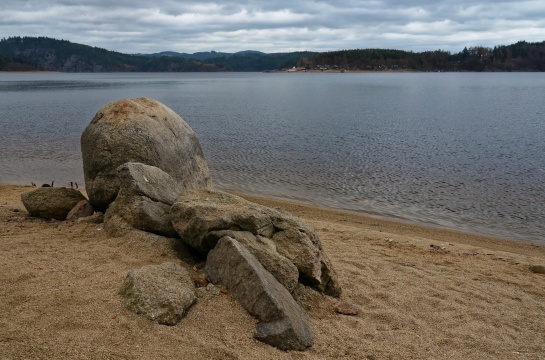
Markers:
<point>136,26</point>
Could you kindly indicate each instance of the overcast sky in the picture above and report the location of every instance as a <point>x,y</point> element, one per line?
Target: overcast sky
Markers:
<point>135,26</point>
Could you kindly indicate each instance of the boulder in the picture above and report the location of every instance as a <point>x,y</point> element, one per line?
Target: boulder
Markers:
<point>145,196</point>
<point>149,181</point>
<point>284,323</point>
<point>82,209</point>
<point>162,293</point>
<point>144,131</point>
<point>51,202</point>
<point>138,212</point>
<point>264,250</point>
<point>198,215</point>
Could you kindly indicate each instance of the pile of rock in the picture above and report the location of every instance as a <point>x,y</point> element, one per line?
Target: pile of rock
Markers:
<point>145,168</point>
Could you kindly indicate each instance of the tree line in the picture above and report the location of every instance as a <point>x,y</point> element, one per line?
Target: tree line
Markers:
<point>522,56</point>
<point>42,53</point>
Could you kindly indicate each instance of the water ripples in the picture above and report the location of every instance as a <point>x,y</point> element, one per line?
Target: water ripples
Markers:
<point>453,150</point>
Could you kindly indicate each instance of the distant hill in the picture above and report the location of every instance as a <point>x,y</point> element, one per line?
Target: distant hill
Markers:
<point>198,55</point>
<point>60,55</point>
<point>522,56</point>
<point>204,55</point>
<point>42,53</point>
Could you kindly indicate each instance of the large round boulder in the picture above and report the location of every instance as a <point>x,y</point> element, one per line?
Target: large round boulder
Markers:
<point>140,131</point>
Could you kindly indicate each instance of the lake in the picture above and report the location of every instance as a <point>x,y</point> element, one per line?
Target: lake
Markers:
<point>458,150</point>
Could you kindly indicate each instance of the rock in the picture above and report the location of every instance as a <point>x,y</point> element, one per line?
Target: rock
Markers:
<point>142,131</point>
<point>200,279</point>
<point>82,209</point>
<point>145,196</point>
<point>284,323</point>
<point>538,269</point>
<point>264,250</point>
<point>162,293</point>
<point>139,213</point>
<point>301,247</point>
<point>199,215</point>
<point>330,284</point>
<point>51,202</point>
<point>346,309</point>
<point>149,181</point>
<point>212,289</point>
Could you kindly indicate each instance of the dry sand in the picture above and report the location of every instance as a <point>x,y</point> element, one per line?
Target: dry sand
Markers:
<point>467,297</point>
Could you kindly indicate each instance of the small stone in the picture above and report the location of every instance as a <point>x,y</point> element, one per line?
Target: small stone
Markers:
<point>200,279</point>
<point>212,289</point>
<point>538,269</point>
<point>345,308</point>
<point>82,209</point>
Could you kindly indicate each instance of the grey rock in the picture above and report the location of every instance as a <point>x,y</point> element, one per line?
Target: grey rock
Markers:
<point>302,248</point>
<point>82,209</point>
<point>162,293</point>
<point>51,202</point>
<point>140,131</point>
<point>330,284</point>
<point>196,213</point>
<point>200,215</point>
<point>284,323</point>
<point>145,196</point>
<point>212,289</point>
<point>264,250</point>
<point>148,181</point>
<point>138,212</point>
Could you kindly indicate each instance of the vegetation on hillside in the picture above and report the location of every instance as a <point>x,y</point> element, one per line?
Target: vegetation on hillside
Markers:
<point>522,56</point>
<point>61,55</point>
<point>42,53</point>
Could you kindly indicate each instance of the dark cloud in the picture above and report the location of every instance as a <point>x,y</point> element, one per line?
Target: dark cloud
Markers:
<point>149,26</point>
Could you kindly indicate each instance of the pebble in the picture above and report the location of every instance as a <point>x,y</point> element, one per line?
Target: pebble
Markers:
<point>346,309</point>
<point>538,269</point>
<point>214,290</point>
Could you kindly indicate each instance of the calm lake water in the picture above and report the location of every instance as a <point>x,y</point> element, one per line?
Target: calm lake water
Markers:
<point>458,150</point>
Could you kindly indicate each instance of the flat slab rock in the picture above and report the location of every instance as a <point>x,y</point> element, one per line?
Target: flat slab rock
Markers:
<point>145,196</point>
<point>82,209</point>
<point>198,216</point>
<point>284,324</point>
<point>162,293</point>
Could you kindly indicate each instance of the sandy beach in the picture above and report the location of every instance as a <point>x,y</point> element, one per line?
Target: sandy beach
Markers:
<point>423,293</point>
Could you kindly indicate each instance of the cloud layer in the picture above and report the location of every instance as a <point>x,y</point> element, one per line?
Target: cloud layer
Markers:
<point>189,26</point>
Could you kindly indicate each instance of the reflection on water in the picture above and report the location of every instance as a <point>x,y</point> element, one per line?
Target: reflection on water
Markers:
<point>463,151</point>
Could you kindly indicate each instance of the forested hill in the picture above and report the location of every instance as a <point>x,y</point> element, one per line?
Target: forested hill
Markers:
<point>42,53</point>
<point>522,56</point>
<point>61,55</point>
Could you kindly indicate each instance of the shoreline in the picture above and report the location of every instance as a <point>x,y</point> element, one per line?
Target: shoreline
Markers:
<point>402,228</point>
<point>379,222</point>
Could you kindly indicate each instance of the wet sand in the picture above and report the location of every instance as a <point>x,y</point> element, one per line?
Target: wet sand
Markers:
<point>424,293</point>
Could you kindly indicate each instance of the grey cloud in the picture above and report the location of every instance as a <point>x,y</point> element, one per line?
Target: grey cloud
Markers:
<point>144,26</point>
